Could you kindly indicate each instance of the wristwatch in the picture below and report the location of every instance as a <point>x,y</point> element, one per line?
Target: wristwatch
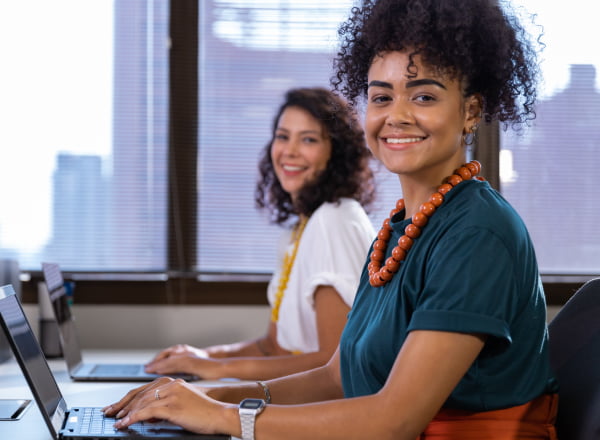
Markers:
<point>249,409</point>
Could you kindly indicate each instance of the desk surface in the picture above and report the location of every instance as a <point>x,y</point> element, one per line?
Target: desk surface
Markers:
<point>31,425</point>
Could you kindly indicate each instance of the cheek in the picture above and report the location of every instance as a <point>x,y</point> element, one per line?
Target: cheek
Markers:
<point>321,161</point>
<point>373,123</point>
<point>274,152</point>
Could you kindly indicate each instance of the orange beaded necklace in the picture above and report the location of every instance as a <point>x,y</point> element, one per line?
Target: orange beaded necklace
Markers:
<point>288,262</point>
<point>378,275</point>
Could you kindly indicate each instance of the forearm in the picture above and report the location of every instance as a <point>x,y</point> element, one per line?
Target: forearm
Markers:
<point>309,386</point>
<point>343,419</point>
<point>236,349</point>
<point>272,366</point>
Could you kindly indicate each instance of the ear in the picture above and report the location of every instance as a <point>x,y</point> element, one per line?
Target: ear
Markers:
<point>473,111</point>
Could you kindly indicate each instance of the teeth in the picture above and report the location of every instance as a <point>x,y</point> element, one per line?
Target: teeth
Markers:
<point>292,168</point>
<point>403,140</point>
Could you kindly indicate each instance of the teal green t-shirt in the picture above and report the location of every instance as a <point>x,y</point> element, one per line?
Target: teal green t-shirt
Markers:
<point>472,270</point>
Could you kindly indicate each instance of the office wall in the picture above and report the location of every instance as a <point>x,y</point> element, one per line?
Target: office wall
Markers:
<point>106,326</point>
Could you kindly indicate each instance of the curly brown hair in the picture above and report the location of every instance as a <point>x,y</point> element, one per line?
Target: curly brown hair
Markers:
<point>347,173</point>
<point>478,41</point>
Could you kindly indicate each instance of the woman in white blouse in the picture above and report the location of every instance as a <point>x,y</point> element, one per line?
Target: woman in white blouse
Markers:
<point>315,182</point>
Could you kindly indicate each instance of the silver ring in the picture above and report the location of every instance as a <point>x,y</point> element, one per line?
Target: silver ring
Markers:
<point>156,394</point>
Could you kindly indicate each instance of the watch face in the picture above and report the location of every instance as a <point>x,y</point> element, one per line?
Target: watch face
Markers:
<point>252,403</point>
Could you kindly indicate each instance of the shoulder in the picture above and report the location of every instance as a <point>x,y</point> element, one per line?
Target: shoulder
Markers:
<point>345,218</point>
<point>476,206</point>
<point>343,209</point>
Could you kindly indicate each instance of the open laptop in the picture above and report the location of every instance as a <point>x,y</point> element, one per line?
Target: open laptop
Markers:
<point>83,423</point>
<point>78,369</point>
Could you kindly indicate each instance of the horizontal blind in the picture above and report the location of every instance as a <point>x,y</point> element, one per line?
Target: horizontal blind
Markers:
<point>84,112</point>
<point>251,53</point>
<point>550,171</point>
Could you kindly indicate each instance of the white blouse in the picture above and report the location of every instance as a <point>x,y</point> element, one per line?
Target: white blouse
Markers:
<point>332,252</point>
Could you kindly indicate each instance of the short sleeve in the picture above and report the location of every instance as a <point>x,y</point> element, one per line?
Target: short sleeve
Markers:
<point>338,241</point>
<point>470,287</point>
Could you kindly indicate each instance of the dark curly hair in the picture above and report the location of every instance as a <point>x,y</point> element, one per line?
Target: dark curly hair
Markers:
<point>480,42</point>
<point>347,173</point>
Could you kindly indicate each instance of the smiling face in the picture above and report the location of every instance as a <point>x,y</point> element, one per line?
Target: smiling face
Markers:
<point>300,149</point>
<point>415,125</point>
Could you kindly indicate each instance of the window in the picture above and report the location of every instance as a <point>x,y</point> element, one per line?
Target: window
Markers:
<point>87,140</point>
<point>251,53</point>
<point>84,139</point>
<point>550,172</point>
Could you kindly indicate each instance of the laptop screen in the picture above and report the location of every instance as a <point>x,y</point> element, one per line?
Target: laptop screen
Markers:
<point>62,313</point>
<point>29,355</point>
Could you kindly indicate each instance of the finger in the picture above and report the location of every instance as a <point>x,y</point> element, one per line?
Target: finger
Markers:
<point>149,412</point>
<point>165,366</point>
<point>123,406</point>
<point>177,363</point>
<point>162,354</point>
<point>117,406</point>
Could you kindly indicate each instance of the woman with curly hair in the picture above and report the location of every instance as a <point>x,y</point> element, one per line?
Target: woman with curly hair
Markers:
<point>314,177</point>
<point>447,336</point>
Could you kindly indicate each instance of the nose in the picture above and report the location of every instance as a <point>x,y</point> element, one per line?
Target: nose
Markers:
<point>399,114</point>
<point>291,147</point>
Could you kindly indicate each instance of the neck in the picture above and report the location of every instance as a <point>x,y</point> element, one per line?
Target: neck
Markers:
<point>416,189</point>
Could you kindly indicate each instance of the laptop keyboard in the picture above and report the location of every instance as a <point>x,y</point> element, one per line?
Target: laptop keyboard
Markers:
<point>115,370</point>
<point>94,422</point>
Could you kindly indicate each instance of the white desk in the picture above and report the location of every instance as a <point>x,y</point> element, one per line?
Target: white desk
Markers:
<point>31,425</point>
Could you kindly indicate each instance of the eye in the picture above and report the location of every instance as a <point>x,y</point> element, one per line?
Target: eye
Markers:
<point>379,99</point>
<point>281,137</point>
<point>424,98</point>
<point>309,140</point>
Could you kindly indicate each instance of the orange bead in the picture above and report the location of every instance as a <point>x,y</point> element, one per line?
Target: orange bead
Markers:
<point>464,173</point>
<point>444,188</point>
<point>385,274</point>
<point>392,264</point>
<point>372,279</point>
<point>378,275</point>
<point>454,179</point>
<point>437,199</point>
<point>472,168</point>
<point>384,234</point>
<point>373,266</point>
<point>377,255</point>
<point>405,242</point>
<point>427,208</point>
<point>412,230</point>
<point>419,219</point>
<point>375,280</point>
<point>398,253</point>
<point>480,178</point>
<point>380,245</point>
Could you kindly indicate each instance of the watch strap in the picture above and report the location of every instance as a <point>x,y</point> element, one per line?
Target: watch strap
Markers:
<point>247,420</point>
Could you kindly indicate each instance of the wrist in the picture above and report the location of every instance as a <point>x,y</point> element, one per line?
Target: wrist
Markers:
<point>230,420</point>
<point>249,410</point>
<point>266,391</point>
<point>262,348</point>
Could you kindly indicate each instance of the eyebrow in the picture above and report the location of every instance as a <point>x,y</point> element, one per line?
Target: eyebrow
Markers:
<point>303,132</point>
<point>384,84</point>
<point>423,82</point>
<point>409,84</point>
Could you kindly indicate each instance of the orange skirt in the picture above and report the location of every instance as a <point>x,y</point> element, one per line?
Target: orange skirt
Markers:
<point>533,420</point>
